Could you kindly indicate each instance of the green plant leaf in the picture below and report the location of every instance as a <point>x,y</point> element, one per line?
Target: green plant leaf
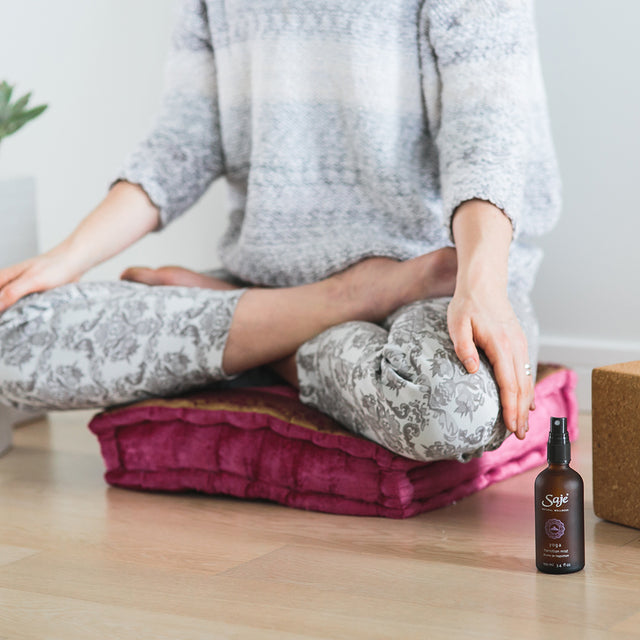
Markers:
<point>19,105</point>
<point>5,93</point>
<point>14,116</point>
<point>17,122</point>
<point>5,96</point>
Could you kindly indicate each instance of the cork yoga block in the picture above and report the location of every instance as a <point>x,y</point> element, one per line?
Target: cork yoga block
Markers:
<point>616,443</point>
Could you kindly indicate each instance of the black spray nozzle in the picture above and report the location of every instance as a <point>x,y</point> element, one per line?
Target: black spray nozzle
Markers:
<point>558,445</point>
<point>558,429</point>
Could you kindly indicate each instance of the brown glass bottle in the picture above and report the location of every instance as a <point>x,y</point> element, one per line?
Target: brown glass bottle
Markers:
<point>559,504</point>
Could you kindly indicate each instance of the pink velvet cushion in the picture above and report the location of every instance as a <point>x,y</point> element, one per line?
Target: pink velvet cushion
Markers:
<point>264,443</point>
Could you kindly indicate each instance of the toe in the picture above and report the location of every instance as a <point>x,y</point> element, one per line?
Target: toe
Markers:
<point>144,275</point>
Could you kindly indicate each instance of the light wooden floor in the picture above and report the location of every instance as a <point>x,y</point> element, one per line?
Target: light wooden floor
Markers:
<point>81,560</point>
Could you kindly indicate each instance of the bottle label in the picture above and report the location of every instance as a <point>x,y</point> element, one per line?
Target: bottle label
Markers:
<point>555,553</point>
<point>554,528</point>
<point>556,556</point>
<point>555,509</point>
<point>555,502</point>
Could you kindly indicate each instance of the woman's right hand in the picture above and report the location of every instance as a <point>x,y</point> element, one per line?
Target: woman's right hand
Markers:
<point>51,269</point>
<point>122,218</point>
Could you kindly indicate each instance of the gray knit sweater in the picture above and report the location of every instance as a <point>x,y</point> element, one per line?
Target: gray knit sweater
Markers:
<point>349,128</point>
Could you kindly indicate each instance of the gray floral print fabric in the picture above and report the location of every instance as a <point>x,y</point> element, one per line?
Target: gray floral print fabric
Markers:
<point>402,385</point>
<point>91,345</point>
<point>96,344</point>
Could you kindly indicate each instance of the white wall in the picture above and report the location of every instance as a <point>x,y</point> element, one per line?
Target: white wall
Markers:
<point>99,65</point>
<point>587,291</point>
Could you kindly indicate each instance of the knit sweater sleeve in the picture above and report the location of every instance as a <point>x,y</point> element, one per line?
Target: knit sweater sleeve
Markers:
<point>181,155</point>
<point>489,92</point>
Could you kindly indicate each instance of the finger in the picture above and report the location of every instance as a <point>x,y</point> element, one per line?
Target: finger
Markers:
<point>498,353</point>
<point>461,333</point>
<point>532,382</point>
<point>520,357</point>
<point>532,406</point>
<point>17,289</point>
<point>532,392</point>
<point>143,275</point>
<point>11,273</point>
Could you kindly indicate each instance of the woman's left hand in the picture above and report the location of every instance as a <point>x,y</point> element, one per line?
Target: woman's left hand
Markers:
<point>484,318</point>
<point>480,314</point>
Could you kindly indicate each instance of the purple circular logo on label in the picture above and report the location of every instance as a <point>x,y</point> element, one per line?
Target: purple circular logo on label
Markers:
<point>554,528</point>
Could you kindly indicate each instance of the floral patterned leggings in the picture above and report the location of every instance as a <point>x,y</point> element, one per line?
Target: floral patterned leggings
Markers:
<point>92,345</point>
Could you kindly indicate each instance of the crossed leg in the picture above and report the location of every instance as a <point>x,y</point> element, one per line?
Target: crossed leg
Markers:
<point>368,346</point>
<point>92,344</point>
<point>394,379</point>
<point>269,325</point>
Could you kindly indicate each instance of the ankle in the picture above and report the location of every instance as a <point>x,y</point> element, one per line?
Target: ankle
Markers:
<point>343,299</point>
<point>369,290</point>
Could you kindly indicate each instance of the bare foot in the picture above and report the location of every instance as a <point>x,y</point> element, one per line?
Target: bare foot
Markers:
<point>379,286</point>
<point>369,290</point>
<point>435,274</point>
<point>271,324</point>
<point>174,276</point>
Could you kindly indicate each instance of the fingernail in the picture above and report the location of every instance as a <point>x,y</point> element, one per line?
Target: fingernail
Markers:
<point>526,426</point>
<point>514,426</point>
<point>469,364</point>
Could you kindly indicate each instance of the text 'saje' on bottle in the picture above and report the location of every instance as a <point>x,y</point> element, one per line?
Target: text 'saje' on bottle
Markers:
<point>559,505</point>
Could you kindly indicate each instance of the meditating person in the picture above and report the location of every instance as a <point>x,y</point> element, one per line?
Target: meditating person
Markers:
<point>389,166</point>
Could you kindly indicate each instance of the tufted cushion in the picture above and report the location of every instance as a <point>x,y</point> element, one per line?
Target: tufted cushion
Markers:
<point>264,443</point>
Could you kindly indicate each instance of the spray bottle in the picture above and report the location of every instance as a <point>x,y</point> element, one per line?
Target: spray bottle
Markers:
<point>559,505</point>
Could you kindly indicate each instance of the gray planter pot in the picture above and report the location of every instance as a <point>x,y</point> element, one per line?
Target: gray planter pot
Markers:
<point>6,431</point>
<point>18,241</point>
<point>18,233</point>
<point>9,418</point>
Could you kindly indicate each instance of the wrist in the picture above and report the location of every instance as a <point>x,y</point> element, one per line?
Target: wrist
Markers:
<point>483,214</point>
<point>482,235</point>
<point>124,216</point>
<point>78,253</point>
<point>481,282</point>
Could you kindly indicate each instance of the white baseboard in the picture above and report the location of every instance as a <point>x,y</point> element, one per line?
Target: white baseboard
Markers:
<point>584,354</point>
